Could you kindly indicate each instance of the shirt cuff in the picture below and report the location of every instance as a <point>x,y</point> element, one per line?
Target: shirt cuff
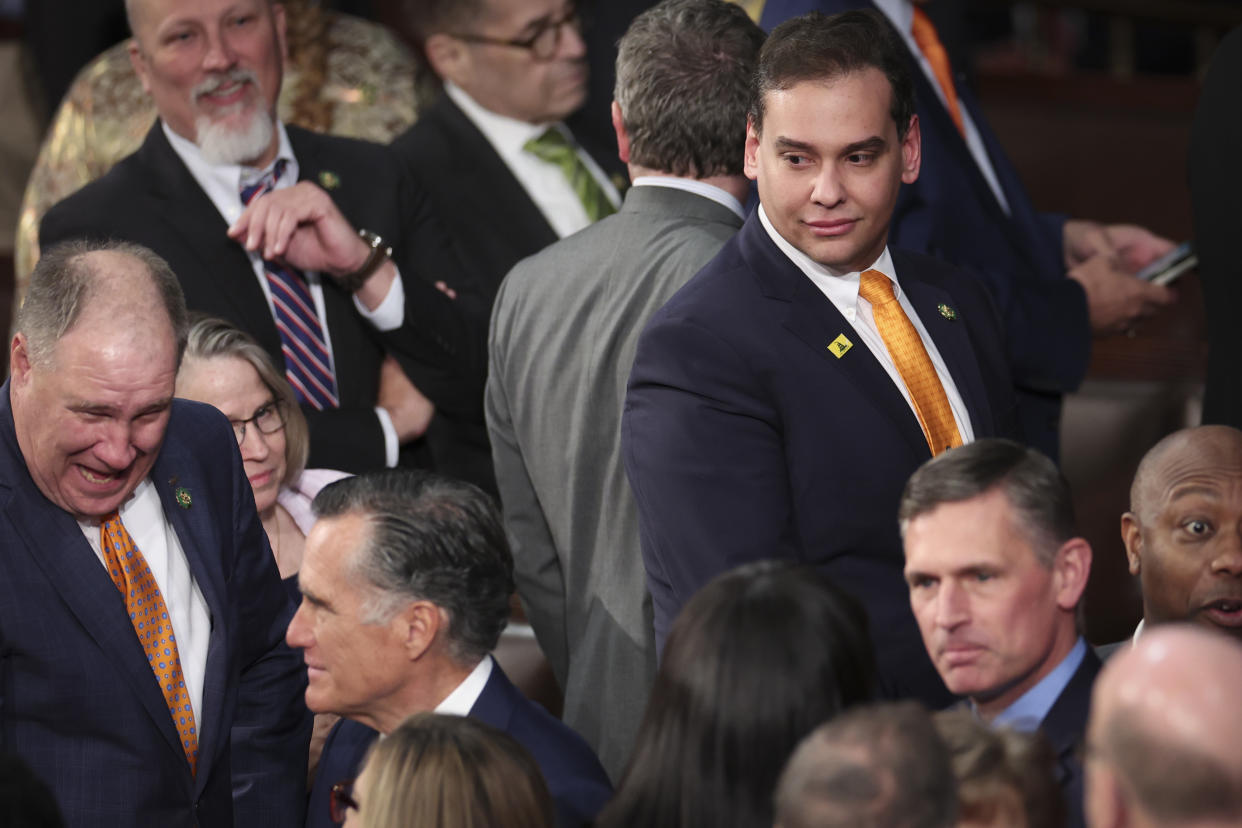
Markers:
<point>391,447</point>
<point>391,312</point>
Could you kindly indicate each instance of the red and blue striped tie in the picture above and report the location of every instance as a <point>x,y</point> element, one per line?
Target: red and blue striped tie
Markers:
<point>307,364</point>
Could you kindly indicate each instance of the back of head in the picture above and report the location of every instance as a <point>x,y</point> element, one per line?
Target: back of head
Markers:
<point>438,771</point>
<point>754,661</point>
<point>1164,731</point>
<point>878,766</point>
<point>435,539</point>
<point>684,70</point>
<point>124,283</point>
<point>1035,489</point>
<point>1005,778</point>
<point>819,48</point>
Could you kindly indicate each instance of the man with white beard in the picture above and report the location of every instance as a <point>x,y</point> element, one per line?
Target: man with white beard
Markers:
<point>310,243</point>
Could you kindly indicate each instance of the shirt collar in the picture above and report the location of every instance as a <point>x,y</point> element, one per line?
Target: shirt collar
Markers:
<point>692,185</point>
<point>1029,711</point>
<point>223,182</point>
<point>508,135</point>
<point>464,696</point>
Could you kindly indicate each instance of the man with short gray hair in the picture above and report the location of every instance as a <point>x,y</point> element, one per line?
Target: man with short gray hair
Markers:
<point>405,587</point>
<point>996,572</point>
<point>144,675</point>
<point>564,330</point>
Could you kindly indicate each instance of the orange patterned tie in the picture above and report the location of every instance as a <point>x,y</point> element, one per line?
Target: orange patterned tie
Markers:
<point>915,366</point>
<point>931,47</point>
<point>149,615</point>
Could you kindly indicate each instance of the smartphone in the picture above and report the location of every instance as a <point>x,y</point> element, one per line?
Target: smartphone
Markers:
<point>1170,266</point>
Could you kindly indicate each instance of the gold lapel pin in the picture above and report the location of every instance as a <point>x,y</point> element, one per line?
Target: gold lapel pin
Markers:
<point>329,180</point>
<point>947,312</point>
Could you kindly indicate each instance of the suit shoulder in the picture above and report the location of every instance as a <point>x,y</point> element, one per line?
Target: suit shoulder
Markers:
<point>427,139</point>
<point>723,290</point>
<point>90,210</point>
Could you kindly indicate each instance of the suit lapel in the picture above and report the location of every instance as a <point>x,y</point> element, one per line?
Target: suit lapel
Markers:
<point>952,340</point>
<point>813,319</point>
<point>199,535</point>
<point>188,214</point>
<point>56,543</point>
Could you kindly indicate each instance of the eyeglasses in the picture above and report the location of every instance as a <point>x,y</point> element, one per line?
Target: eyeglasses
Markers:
<point>340,800</point>
<point>542,45</point>
<point>267,419</point>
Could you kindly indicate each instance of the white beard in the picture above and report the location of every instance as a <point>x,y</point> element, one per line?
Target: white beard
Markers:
<point>221,144</point>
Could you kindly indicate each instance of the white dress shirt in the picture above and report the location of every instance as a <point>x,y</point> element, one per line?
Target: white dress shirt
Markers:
<point>691,185</point>
<point>543,181</point>
<point>842,291</point>
<point>901,14</point>
<point>463,697</point>
<point>143,517</point>
<point>223,184</point>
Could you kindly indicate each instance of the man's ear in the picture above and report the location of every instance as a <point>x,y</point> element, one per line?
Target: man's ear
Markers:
<point>623,137</point>
<point>448,56</point>
<point>1072,570</point>
<point>19,360</point>
<point>280,21</point>
<point>139,62</point>
<point>1132,537</point>
<point>911,152</point>
<point>418,625</point>
<point>750,157</point>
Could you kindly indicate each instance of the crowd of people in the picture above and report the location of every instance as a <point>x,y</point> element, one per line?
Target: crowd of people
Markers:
<point>758,420</point>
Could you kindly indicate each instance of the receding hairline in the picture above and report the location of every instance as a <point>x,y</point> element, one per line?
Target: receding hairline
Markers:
<point>1199,440</point>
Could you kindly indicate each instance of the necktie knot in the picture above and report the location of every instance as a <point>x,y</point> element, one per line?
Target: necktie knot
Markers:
<point>552,147</point>
<point>265,183</point>
<point>876,288</point>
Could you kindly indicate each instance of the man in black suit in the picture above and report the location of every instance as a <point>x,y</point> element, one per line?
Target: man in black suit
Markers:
<point>995,573</point>
<point>338,303</point>
<point>405,591</point>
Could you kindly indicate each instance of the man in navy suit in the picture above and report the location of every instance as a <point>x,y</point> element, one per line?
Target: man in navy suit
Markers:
<point>90,436</point>
<point>969,207</point>
<point>405,591</point>
<point>995,572</point>
<point>767,415</point>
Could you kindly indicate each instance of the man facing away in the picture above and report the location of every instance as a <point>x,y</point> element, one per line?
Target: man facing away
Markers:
<point>780,399</point>
<point>405,591</point>
<point>1163,741</point>
<point>1183,533</point>
<point>996,573</point>
<point>145,679</point>
<point>564,329</point>
<point>286,233</point>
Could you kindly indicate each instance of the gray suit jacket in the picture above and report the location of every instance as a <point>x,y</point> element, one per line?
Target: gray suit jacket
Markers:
<point>564,329</point>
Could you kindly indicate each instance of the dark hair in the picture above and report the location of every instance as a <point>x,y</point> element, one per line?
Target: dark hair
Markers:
<point>1036,490</point>
<point>755,660</point>
<point>428,17</point>
<point>68,277</point>
<point>441,771</point>
<point>871,767</point>
<point>1004,776</point>
<point>431,538</point>
<point>815,47</point>
<point>684,70</point>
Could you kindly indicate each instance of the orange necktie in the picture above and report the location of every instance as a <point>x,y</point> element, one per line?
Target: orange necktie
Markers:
<point>931,47</point>
<point>149,615</point>
<point>905,346</point>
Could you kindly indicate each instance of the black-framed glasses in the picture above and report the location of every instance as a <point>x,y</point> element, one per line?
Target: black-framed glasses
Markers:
<point>267,418</point>
<point>340,800</point>
<point>542,44</point>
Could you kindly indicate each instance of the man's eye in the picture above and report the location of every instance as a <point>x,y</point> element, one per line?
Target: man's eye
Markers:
<point>860,158</point>
<point>1196,527</point>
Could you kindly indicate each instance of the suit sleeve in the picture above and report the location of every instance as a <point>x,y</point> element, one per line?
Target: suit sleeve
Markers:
<point>537,567</point>
<point>705,456</point>
<point>271,725</point>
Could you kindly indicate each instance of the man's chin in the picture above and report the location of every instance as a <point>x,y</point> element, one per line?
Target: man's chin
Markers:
<point>241,138</point>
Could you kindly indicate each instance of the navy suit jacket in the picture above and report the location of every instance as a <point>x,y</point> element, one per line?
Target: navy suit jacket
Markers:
<point>951,213</point>
<point>745,437</point>
<point>1064,726</point>
<point>577,781</point>
<point>151,198</point>
<point>78,700</point>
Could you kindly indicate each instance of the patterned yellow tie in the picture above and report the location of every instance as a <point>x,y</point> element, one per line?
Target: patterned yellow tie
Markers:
<point>915,366</point>
<point>931,47</point>
<point>149,615</point>
<point>553,147</point>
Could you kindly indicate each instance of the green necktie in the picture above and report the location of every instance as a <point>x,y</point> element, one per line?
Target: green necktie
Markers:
<point>553,147</point>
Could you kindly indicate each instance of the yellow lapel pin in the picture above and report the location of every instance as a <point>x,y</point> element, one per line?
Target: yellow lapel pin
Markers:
<point>839,346</point>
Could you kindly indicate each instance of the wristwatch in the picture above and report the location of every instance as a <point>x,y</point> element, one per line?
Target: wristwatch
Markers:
<point>380,252</point>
